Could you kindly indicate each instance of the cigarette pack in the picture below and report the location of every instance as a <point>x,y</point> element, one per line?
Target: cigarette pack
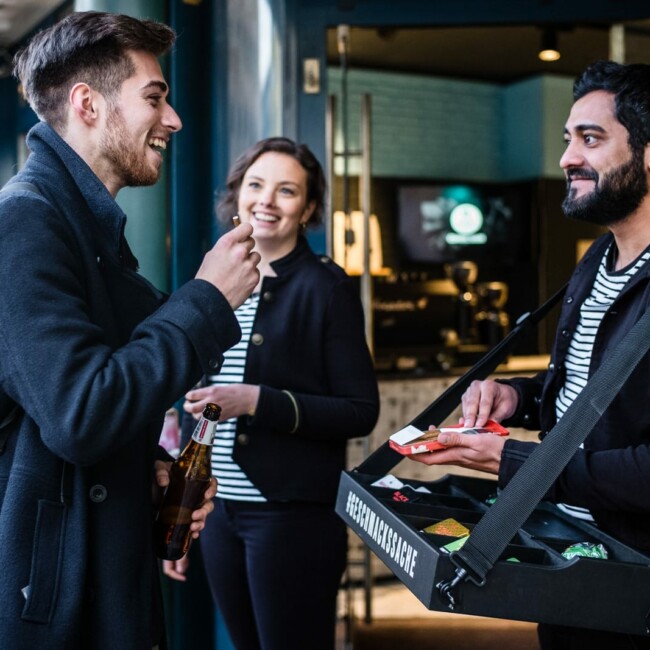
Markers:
<point>411,440</point>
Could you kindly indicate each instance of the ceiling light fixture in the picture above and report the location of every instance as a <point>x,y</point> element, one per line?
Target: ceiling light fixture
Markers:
<point>548,50</point>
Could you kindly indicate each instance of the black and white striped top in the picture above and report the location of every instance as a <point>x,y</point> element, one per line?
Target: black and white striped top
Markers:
<point>232,483</point>
<point>604,291</point>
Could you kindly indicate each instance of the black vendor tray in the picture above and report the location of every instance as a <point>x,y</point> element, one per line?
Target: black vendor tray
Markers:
<point>532,581</point>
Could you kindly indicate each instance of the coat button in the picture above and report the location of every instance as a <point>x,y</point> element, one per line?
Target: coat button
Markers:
<point>551,367</point>
<point>565,333</point>
<point>527,418</point>
<point>569,300</point>
<point>243,439</point>
<point>325,260</point>
<point>98,493</point>
<point>268,296</point>
<point>537,400</point>
<point>214,364</point>
<point>257,339</point>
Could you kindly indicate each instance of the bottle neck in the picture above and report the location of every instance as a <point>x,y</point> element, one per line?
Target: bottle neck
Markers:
<point>204,432</point>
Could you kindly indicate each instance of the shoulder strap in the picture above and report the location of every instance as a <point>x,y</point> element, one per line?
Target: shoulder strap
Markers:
<point>384,458</point>
<point>528,486</point>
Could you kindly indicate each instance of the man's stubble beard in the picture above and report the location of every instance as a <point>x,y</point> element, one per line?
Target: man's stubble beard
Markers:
<point>128,161</point>
<point>614,199</point>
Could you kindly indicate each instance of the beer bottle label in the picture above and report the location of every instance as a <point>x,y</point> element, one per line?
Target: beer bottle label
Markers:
<point>204,432</point>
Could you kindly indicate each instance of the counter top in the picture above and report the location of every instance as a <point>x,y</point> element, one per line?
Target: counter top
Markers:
<point>525,363</point>
<point>515,364</point>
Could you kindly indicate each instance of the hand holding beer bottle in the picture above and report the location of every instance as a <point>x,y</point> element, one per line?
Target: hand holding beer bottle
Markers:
<point>189,478</point>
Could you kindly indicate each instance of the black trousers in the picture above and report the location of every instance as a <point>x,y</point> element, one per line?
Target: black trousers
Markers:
<point>556,637</point>
<point>274,570</point>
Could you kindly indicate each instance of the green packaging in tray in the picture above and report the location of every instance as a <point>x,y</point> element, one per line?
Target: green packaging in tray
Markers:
<point>585,549</point>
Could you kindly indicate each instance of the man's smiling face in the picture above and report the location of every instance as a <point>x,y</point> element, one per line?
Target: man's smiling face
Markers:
<point>606,180</point>
<point>138,126</point>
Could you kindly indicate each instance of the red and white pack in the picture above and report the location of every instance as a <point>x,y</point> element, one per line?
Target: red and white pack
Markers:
<point>410,440</point>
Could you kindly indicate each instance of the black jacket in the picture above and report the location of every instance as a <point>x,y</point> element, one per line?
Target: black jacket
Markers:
<point>611,475</point>
<point>93,357</point>
<point>307,340</point>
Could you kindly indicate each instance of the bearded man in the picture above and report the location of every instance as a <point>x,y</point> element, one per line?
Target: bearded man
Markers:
<point>607,167</point>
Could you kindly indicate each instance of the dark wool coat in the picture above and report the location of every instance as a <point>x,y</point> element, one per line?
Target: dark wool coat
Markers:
<point>611,475</point>
<point>93,355</point>
<point>318,388</point>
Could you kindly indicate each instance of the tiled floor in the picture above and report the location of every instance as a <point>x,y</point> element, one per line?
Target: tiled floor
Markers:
<point>394,606</point>
<point>390,600</point>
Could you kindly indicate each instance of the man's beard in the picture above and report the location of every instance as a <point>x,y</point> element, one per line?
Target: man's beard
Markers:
<point>616,198</point>
<point>120,149</point>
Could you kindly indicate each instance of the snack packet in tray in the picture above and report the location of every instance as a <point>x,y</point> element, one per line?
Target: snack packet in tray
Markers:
<point>410,440</point>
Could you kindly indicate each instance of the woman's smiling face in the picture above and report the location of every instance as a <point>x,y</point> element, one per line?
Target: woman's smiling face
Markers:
<point>273,199</point>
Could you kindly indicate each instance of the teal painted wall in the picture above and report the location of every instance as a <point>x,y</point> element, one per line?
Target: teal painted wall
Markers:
<point>522,141</point>
<point>433,127</point>
<point>424,126</point>
<point>557,102</point>
<point>192,77</point>
<point>535,111</point>
<point>8,135</point>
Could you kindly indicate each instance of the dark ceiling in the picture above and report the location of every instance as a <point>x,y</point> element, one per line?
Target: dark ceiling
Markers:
<point>494,53</point>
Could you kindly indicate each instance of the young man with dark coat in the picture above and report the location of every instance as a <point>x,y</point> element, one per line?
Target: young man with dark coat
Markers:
<point>607,168</point>
<point>91,354</point>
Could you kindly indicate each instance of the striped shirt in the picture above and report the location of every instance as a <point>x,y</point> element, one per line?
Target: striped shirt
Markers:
<point>232,482</point>
<point>604,291</point>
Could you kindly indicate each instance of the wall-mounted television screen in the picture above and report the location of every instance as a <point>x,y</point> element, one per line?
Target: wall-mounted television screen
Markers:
<point>441,223</point>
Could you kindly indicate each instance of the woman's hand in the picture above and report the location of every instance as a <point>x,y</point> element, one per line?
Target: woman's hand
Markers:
<point>234,400</point>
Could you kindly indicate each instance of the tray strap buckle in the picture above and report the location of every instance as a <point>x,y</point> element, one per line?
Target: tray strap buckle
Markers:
<point>463,573</point>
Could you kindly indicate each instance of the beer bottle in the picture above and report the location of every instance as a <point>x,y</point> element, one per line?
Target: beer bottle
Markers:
<point>189,478</point>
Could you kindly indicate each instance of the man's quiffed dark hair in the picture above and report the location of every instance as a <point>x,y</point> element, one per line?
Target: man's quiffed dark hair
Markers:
<point>630,84</point>
<point>88,46</point>
<point>316,185</point>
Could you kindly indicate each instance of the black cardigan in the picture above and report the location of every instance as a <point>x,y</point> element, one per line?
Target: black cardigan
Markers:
<point>318,388</point>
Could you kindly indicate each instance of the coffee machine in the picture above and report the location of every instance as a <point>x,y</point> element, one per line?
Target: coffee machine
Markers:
<point>480,321</point>
<point>492,321</point>
<point>463,274</point>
